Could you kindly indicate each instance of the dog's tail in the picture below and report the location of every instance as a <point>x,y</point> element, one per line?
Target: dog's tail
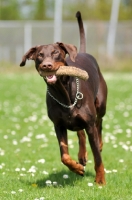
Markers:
<point>82,33</point>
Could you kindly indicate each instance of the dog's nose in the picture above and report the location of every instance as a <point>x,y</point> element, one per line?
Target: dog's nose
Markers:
<point>47,65</point>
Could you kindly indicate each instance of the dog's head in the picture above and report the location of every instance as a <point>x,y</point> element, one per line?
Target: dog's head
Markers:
<point>48,58</point>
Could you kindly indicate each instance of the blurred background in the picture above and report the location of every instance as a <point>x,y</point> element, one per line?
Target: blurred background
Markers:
<point>108,27</point>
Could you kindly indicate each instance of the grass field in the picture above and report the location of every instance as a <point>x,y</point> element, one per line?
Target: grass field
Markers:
<point>30,167</point>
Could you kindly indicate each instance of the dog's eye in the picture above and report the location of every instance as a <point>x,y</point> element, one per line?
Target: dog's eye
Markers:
<point>40,55</point>
<point>55,52</point>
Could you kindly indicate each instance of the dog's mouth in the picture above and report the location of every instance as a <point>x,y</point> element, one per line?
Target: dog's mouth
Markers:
<point>51,76</point>
<point>51,79</point>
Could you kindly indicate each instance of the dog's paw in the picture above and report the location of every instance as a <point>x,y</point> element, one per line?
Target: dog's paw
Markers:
<point>83,159</point>
<point>79,169</point>
<point>100,181</point>
<point>100,175</point>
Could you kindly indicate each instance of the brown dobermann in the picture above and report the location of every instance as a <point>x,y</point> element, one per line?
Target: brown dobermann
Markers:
<point>72,103</point>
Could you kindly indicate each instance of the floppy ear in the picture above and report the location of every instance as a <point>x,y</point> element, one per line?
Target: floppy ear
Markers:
<point>29,55</point>
<point>70,49</point>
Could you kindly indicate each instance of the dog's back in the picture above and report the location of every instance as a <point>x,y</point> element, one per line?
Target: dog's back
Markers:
<point>87,62</point>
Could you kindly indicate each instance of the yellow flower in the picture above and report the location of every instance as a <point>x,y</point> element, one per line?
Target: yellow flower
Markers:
<point>34,185</point>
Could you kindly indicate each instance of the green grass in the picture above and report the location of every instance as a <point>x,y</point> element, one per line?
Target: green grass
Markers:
<point>28,139</point>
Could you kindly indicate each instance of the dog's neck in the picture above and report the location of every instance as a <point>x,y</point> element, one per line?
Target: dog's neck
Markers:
<point>60,90</point>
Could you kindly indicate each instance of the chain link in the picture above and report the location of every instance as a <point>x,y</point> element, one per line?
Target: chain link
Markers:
<point>79,96</point>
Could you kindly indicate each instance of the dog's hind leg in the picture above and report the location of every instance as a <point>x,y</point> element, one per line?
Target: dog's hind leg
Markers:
<point>99,129</point>
<point>100,104</point>
<point>82,154</point>
<point>74,166</point>
<point>94,143</point>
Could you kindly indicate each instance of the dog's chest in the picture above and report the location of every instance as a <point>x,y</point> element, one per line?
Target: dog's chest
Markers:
<point>74,123</point>
<point>71,120</point>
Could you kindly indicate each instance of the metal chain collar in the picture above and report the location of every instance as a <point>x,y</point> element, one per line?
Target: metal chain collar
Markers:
<point>79,96</point>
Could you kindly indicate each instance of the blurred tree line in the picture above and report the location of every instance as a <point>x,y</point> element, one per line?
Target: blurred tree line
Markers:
<point>44,9</point>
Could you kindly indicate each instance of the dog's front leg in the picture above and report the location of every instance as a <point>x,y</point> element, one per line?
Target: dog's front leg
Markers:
<point>61,133</point>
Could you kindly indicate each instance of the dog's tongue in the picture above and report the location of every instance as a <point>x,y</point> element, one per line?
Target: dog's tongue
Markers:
<point>51,79</point>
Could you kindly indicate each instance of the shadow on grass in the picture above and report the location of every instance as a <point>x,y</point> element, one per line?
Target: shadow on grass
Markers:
<point>61,182</point>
